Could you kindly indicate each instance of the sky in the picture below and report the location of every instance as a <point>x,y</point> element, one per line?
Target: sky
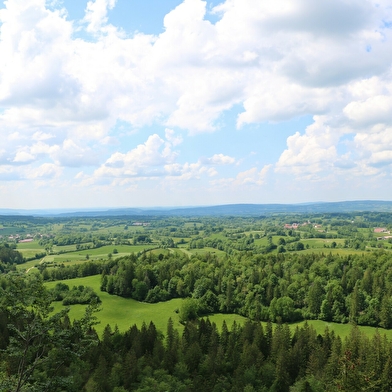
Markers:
<point>129,103</point>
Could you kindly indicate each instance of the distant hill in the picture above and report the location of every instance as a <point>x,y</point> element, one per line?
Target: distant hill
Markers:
<point>218,210</point>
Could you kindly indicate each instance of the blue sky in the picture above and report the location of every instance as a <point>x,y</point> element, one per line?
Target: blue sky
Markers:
<point>107,103</point>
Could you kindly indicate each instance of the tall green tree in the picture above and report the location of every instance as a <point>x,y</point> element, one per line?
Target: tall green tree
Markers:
<point>315,297</point>
<point>386,312</point>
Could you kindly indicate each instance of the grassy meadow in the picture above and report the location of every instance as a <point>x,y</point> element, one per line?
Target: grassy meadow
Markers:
<point>29,249</point>
<point>123,312</point>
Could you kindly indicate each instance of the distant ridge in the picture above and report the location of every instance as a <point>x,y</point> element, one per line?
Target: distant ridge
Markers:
<point>218,210</point>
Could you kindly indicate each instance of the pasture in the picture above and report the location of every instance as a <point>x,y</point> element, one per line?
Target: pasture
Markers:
<point>123,312</point>
<point>29,249</point>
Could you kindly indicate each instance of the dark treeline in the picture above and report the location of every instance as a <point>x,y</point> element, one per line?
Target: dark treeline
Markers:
<point>62,272</point>
<point>244,358</point>
<point>278,288</point>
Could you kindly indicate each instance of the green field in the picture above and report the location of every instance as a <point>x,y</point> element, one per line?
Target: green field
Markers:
<point>125,312</point>
<point>29,249</point>
<point>76,257</point>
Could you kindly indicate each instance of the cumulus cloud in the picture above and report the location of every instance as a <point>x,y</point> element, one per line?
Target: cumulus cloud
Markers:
<point>23,157</point>
<point>252,176</point>
<point>374,110</point>
<point>312,152</point>
<point>218,159</point>
<point>195,69</point>
<point>45,171</point>
<point>96,14</point>
<point>144,160</point>
<point>61,96</point>
<point>249,178</point>
<point>39,135</point>
<point>187,171</point>
<point>204,166</point>
<point>173,139</point>
<point>154,159</point>
<point>73,155</point>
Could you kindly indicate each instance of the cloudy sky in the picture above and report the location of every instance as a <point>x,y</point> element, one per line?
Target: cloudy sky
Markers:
<point>108,103</point>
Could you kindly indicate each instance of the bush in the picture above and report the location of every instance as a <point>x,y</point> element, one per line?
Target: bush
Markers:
<point>78,295</point>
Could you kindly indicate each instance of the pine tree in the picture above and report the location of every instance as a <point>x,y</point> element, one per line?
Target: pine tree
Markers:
<point>315,297</point>
<point>386,379</point>
<point>355,304</point>
<point>172,347</point>
<point>386,312</point>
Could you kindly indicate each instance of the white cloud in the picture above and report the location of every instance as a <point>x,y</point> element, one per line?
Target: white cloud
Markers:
<point>61,96</point>
<point>144,160</point>
<point>374,110</point>
<point>23,157</point>
<point>41,148</point>
<point>319,152</point>
<point>279,60</point>
<point>172,138</point>
<point>96,14</point>
<point>312,152</point>
<point>39,135</point>
<point>14,136</point>
<point>219,159</point>
<point>156,159</point>
<point>73,155</point>
<point>204,166</point>
<point>45,171</point>
<point>245,179</point>
<point>187,171</point>
<point>252,176</point>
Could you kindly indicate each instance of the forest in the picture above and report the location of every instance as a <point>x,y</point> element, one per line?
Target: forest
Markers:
<point>274,270</point>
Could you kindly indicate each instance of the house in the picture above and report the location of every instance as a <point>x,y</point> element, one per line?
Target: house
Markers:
<point>291,226</point>
<point>380,230</point>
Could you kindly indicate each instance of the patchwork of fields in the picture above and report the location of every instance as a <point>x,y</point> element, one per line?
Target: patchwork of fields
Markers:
<point>74,242</point>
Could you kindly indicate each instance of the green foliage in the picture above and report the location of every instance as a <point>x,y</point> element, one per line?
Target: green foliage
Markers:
<point>9,257</point>
<point>41,346</point>
<point>282,287</point>
<point>245,358</point>
<point>283,310</point>
<point>77,295</point>
<point>189,310</point>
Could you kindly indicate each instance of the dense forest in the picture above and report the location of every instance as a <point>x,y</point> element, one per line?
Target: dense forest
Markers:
<point>277,288</point>
<point>244,358</point>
